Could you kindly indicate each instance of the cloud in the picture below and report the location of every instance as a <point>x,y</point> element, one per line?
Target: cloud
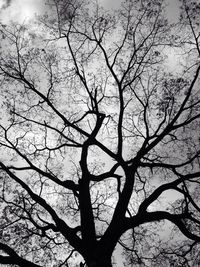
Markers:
<point>173,10</point>
<point>19,11</point>
<point>110,4</point>
<point>6,4</point>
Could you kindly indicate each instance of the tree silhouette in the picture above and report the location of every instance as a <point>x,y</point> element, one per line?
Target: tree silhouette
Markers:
<point>99,138</point>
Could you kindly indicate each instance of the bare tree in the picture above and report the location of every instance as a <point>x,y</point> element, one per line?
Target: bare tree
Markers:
<point>99,139</point>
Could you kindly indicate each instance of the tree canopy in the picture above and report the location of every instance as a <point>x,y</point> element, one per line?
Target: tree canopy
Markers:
<point>99,137</point>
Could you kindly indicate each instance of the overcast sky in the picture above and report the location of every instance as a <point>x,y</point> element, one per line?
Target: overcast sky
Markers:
<point>22,10</point>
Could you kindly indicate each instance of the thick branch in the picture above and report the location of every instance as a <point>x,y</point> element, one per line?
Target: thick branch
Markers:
<point>176,219</point>
<point>149,200</point>
<point>14,258</point>
<point>66,231</point>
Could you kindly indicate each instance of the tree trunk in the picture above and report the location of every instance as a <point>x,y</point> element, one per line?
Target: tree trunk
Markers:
<point>101,262</point>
